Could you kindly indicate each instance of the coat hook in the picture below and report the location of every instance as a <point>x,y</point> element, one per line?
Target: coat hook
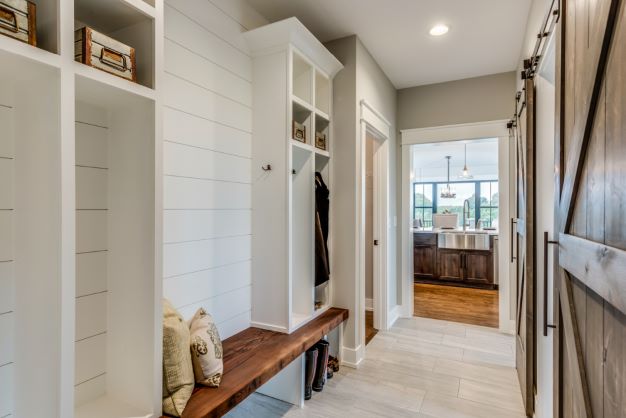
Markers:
<point>293,171</point>
<point>267,167</point>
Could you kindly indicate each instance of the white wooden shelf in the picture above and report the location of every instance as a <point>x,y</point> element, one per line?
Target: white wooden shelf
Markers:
<point>50,107</point>
<point>303,104</point>
<point>23,55</point>
<point>289,61</point>
<point>109,85</point>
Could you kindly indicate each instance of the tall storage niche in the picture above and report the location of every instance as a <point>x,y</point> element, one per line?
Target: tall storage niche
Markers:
<point>292,74</point>
<point>116,338</point>
<point>30,279</point>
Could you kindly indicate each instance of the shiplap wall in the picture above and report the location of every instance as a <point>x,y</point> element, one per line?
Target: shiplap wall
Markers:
<point>7,291</point>
<point>91,251</point>
<point>207,159</point>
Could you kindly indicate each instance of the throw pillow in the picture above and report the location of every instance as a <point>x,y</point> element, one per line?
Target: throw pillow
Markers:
<point>178,379</point>
<point>206,350</point>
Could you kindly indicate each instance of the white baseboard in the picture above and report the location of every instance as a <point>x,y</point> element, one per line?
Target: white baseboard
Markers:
<point>508,327</point>
<point>394,314</point>
<point>369,304</point>
<point>352,357</point>
<point>269,327</point>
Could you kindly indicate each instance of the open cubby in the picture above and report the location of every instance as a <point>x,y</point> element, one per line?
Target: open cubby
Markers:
<point>303,116</point>
<point>116,343</point>
<point>302,234</point>
<point>30,210</point>
<point>322,292</point>
<point>302,79</point>
<point>322,126</point>
<point>128,21</point>
<point>322,93</point>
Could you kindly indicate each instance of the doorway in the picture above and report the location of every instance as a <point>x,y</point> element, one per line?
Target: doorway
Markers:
<point>455,223</point>
<point>444,277</point>
<point>374,226</point>
<point>371,147</point>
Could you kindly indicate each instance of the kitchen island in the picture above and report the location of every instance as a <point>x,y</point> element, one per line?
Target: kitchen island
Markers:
<point>456,257</point>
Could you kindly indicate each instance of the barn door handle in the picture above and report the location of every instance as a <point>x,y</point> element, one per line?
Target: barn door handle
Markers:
<point>546,242</point>
<point>513,221</point>
<point>8,19</point>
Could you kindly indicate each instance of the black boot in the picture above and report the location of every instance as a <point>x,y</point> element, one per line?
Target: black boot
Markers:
<point>309,371</point>
<point>322,365</point>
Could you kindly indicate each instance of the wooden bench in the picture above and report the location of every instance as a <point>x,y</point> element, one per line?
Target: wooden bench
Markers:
<point>253,357</point>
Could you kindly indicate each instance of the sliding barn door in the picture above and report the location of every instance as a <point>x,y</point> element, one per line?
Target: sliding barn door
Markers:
<point>525,236</point>
<point>590,271</point>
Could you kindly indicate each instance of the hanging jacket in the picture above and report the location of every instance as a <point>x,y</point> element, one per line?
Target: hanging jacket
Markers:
<point>322,266</point>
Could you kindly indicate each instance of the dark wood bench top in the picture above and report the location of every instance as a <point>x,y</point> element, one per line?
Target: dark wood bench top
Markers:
<point>253,357</point>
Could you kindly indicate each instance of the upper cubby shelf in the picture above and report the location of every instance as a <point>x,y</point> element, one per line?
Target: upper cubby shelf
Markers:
<point>302,79</point>
<point>46,33</point>
<point>322,93</point>
<point>131,22</point>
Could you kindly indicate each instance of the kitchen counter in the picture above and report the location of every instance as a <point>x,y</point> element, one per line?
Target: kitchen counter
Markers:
<point>453,231</point>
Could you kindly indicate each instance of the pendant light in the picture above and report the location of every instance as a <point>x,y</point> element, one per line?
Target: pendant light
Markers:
<point>465,174</point>
<point>447,193</point>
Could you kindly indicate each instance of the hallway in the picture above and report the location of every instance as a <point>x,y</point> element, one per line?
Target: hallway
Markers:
<point>421,368</point>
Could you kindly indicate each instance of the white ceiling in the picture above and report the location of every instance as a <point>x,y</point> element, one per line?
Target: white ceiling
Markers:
<point>429,162</point>
<point>485,35</point>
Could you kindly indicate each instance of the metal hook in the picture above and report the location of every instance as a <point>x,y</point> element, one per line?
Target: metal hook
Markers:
<point>267,167</point>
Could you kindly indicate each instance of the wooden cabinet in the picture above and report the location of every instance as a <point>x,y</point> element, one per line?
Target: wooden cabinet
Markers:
<point>433,264</point>
<point>424,256</point>
<point>450,264</point>
<point>478,267</point>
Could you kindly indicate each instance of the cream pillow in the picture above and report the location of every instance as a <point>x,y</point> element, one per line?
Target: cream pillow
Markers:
<point>206,350</point>
<point>178,379</point>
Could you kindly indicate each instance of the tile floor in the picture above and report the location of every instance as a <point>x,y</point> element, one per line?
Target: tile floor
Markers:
<point>422,368</point>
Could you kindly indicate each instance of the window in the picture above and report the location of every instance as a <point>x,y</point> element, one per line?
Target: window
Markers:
<point>423,203</point>
<point>489,200</point>
<point>483,197</point>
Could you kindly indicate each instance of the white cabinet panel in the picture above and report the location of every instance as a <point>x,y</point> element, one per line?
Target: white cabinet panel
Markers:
<point>6,390</point>
<point>90,358</point>
<point>185,193</point>
<point>7,341</point>
<point>7,147</point>
<point>194,130</point>
<point>186,161</point>
<point>91,188</point>
<point>91,230</point>
<point>89,390</point>
<point>91,315</point>
<point>7,287</point>
<point>91,145</point>
<point>91,273</point>
<point>6,183</point>
<point>6,235</point>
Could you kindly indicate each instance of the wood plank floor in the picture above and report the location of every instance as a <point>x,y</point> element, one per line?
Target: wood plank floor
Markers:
<point>370,331</point>
<point>421,368</point>
<point>457,304</point>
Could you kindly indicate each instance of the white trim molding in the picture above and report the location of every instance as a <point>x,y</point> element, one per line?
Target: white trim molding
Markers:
<point>352,357</point>
<point>478,130</point>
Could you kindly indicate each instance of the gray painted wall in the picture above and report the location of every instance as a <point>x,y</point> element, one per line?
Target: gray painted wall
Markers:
<point>470,100</point>
<point>360,79</point>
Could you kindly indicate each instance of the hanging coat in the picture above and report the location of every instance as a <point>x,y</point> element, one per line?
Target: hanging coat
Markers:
<point>322,266</point>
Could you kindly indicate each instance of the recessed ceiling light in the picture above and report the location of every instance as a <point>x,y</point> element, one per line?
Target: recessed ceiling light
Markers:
<point>439,30</point>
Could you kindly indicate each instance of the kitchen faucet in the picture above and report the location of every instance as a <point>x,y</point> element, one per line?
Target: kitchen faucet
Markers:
<point>466,204</point>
